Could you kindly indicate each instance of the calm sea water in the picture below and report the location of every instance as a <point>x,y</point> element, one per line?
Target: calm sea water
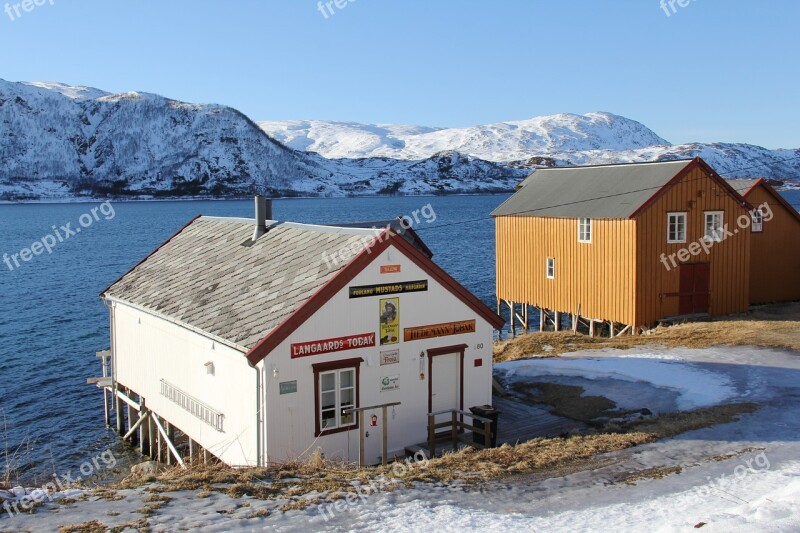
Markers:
<point>52,321</point>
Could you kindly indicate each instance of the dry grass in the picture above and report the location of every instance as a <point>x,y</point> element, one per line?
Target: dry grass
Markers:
<point>771,326</point>
<point>299,485</point>
<point>94,526</point>
<point>652,473</point>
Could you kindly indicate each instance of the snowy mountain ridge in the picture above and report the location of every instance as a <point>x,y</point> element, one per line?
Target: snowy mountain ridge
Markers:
<point>552,140</point>
<point>501,142</point>
<point>60,142</point>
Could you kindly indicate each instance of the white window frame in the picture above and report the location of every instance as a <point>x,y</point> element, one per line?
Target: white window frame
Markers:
<point>717,234</point>
<point>678,215</point>
<point>585,230</point>
<point>757,218</point>
<point>338,406</point>
<point>550,271</point>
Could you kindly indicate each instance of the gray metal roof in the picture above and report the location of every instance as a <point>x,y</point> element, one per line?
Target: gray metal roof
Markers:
<point>607,191</point>
<point>741,185</point>
<point>206,279</point>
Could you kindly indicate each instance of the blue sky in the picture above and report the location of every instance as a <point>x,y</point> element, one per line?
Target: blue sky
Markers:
<point>715,70</point>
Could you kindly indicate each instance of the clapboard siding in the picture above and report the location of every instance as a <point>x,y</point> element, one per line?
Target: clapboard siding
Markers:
<point>599,276</point>
<point>695,194</point>
<point>625,274</point>
<point>775,254</point>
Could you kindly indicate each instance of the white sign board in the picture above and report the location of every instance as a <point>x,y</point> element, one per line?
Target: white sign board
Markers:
<point>390,358</point>
<point>390,383</point>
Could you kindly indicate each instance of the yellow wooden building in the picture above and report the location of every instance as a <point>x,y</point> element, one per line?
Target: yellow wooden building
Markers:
<point>775,244</point>
<point>621,247</point>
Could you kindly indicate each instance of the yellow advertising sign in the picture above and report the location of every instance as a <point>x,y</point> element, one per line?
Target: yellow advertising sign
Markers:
<point>439,330</point>
<point>390,321</point>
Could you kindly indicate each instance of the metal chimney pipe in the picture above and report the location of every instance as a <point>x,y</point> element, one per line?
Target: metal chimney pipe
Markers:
<point>263,213</point>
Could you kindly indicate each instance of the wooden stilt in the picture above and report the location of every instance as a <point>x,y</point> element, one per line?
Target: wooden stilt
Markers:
<point>165,436</point>
<point>135,427</point>
<point>120,414</point>
<point>205,456</point>
<point>159,454</point>
<point>191,450</point>
<point>151,438</point>
<point>541,319</point>
<point>168,438</point>
<point>144,434</point>
<point>557,321</point>
<point>591,327</point>
<point>128,413</point>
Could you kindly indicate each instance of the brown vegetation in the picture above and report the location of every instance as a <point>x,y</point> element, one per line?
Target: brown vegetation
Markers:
<point>769,326</point>
<point>292,484</point>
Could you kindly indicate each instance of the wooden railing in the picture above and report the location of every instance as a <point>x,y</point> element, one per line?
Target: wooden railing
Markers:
<point>457,427</point>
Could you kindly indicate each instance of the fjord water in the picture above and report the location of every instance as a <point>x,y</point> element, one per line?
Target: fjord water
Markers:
<point>52,321</point>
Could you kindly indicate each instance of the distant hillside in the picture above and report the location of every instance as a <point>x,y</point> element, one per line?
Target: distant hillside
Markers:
<point>554,140</point>
<point>59,142</point>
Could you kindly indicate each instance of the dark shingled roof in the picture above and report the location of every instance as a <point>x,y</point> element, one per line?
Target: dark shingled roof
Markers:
<point>607,191</point>
<point>207,279</point>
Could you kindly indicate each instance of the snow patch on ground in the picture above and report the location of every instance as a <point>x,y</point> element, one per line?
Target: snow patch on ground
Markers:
<point>764,501</point>
<point>696,387</point>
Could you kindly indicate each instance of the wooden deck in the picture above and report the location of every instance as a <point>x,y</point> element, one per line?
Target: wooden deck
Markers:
<point>519,422</point>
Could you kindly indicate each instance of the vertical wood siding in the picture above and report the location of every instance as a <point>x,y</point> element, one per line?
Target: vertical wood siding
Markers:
<point>775,254</point>
<point>600,276</point>
<point>694,194</point>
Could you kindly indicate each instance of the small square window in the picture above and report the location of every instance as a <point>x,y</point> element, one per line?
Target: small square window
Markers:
<point>676,227</point>
<point>551,268</point>
<point>585,230</point>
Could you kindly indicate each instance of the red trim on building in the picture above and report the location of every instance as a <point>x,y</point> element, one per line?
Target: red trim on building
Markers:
<point>775,194</point>
<point>326,367</point>
<point>696,162</point>
<point>447,350</point>
<point>311,306</point>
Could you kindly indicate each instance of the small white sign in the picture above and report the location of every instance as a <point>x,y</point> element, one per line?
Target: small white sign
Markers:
<point>391,357</point>
<point>390,383</point>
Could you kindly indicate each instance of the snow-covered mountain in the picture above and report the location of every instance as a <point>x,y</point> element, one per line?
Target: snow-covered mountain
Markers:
<point>501,142</point>
<point>59,141</point>
<point>553,140</point>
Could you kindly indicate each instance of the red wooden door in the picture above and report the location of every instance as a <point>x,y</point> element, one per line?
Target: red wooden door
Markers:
<point>695,289</point>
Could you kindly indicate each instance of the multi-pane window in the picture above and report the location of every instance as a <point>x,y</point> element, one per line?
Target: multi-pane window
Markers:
<point>551,268</point>
<point>758,220</point>
<point>676,227</point>
<point>714,226</point>
<point>584,230</point>
<point>337,393</point>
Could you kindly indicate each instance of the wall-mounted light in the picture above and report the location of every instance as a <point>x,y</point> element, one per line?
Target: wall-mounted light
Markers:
<point>210,368</point>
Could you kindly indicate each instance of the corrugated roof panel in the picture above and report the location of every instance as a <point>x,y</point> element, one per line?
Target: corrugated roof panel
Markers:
<point>609,191</point>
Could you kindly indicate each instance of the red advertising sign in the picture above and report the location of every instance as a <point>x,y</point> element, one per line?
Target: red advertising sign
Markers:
<point>339,344</point>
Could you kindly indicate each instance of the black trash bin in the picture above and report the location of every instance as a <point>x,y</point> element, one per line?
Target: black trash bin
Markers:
<point>485,411</point>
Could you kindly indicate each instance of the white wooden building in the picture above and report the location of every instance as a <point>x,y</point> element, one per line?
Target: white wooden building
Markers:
<point>251,341</point>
